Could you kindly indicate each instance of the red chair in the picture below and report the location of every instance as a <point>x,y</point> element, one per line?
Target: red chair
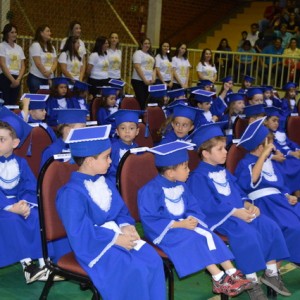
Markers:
<point>130,103</point>
<point>292,128</point>
<point>141,140</point>
<point>155,117</point>
<point>54,175</point>
<point>193,160</point>
<point>95,105</point>
<point>239,127</point>
<point>43,91</point>
<point>37,141</point>
<point>234,155</point>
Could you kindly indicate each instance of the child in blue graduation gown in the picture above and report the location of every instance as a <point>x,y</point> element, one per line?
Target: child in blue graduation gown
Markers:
<point>100,230</point>
<point>66,119</point>
<point>255,240</point>
<point>126,122</point>
<point>19,222</point>
<point>260,179</point>
<point>173,220</point>
<point>80,94</point>
<point>246,84</point>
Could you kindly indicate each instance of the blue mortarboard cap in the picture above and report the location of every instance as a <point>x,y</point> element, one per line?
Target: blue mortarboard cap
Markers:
<point>171,154</point>
<point>109,90</point>
<point>254,135</point>
<point>253,91</point>
<point>266,88</point>
<point>181,110</point>
<point>203,96</point>
<point>80,85</point>
<point>249,78</point>
<point>125,115</point>
<point>205,82</point>
<point>60,80</point>
<point>21,128</point>
<point>176,93</point>
<point>227,79</point>
<point>89,141</point>
<point>273,111</point>
<point>117,83</point>
<point>37,101</point>
<point>252,110</point>
<point>157,90</point>
<point>289,85</point>
<point>235,97</point>
<point>207,132</point>
<point>71,116</point>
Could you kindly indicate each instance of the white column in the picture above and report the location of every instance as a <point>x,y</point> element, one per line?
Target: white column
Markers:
<point>154,21</point>
<point>4,8</point>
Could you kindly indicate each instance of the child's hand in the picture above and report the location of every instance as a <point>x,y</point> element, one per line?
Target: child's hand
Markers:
<point>278,156</point>
<point>131,231</point>
<point>244,214</point>
<point>188,223</point>
<point>254,210</point>
<point>292,199</point>
<point>295,154</point>
<point>268,148</point>
<point>25,102</point>
<point>215,118</point>
<point>21,208</point>
<point>125,241</point>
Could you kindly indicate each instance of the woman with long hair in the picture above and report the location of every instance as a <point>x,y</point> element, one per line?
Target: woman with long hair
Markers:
<point>206,69</point>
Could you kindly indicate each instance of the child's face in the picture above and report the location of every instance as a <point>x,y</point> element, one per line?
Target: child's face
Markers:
<point>181,173</point>
<point>217,155</point>
<point>38,114</point>
<point>228,84</point>
<point>257,99</point>
<point>127,131</point>
<point>267,94</point>
<point>238,106</point>
<point>292,93</point>
<point>247,84</point>
<point>205,106</point>
<point>101,164</point>
<point>182,126</point>
<point>62,89</point>
<point>7,143</point>
<point>111,100</point>
<point>208,88</point>
<point>272,123</point>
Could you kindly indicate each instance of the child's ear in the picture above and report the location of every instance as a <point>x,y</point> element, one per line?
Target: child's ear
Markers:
<point>16,143</point>
<point>117,132</point>
<point>192,127</point>
<point>137,131</point>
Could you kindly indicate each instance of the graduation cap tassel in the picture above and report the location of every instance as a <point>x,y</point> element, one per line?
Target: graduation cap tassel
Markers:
<point>29,150</point>
<point>147,131</point>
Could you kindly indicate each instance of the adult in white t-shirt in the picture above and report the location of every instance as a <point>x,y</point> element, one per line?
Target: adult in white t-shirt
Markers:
<point>114,55</point>
<point>12,65</point>
<point>143,71</point>
<point>75,30</point>
<point>206,68</point>
<point>181,67</point>
<point>163,65</point>
<point>70,61</point>
<point>43,60</point>
<point>97,68</point>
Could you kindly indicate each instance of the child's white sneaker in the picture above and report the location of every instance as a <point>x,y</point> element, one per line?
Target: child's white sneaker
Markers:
<point>46,274</point>
<point>32,272</point>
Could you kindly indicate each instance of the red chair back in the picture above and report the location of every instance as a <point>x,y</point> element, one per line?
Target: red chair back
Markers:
<point>292,129</point>
<point>95,107</point>
<point>130,103</point>
<point>193,160</point>
<point>37,140</point>
<point>239,127</point>
<point>141,140</point>
<point>234,155</point>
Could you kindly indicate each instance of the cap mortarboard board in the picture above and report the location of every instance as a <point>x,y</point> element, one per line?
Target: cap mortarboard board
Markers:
<point>289,85</point>
<point>203,96</point>
<point>157,90</point>
<point>249,78</point>
<point>37,101</point>
<point>60,80</point>
<point>109,90</point>
<point>89,141</point>
<point>117,83</point>
<point>205,82</point>
<point>253,91</point>
<point>235,97</point>
<point>176,93</point>
<point>125,115</point>
<point>171,154</point>
<point>227,79</point>
<point>252,110</point>
<point>71,116</point>
<point>181,110</point>
<point>254,135</point>
<point>21,128</point>
<point>80,85</point>
<point>273,111</point>
<point>266,88</point>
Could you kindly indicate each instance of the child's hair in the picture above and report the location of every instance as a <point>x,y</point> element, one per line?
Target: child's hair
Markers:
<point>60,128</point>
<point>269,137</point>
<point>166,125</point>
<point>80,160</point>
<point>103,102</point>
<point>39,39</point>
<point>69,47</point>
<point>162,170</point>
<point>54,91</point>
<point>6,126</point>
<point>208,145</point>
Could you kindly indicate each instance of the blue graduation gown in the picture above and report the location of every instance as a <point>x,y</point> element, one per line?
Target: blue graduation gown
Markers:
<point>171,137</point>
<point>218,107</point>
<point>79,103</point>
<point>19,238</point>
<point>86,203</point>
<point>161,202</point>
<point>253,244</point>
<point>271,200</point>
<point>102,119</point>
<point>118,149</point>
<point>283,143</point>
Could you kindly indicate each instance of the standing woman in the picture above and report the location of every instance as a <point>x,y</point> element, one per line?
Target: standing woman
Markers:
<point>70,61</point>
<point>12,65</point>
<point>43,60</point>
<point>114,55</point>
<point>206,68</point>
<point>163,65</point>
<point>75,30</point>
<point>181,67</point>
<point>97,68</point>
<point>143,71</point>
